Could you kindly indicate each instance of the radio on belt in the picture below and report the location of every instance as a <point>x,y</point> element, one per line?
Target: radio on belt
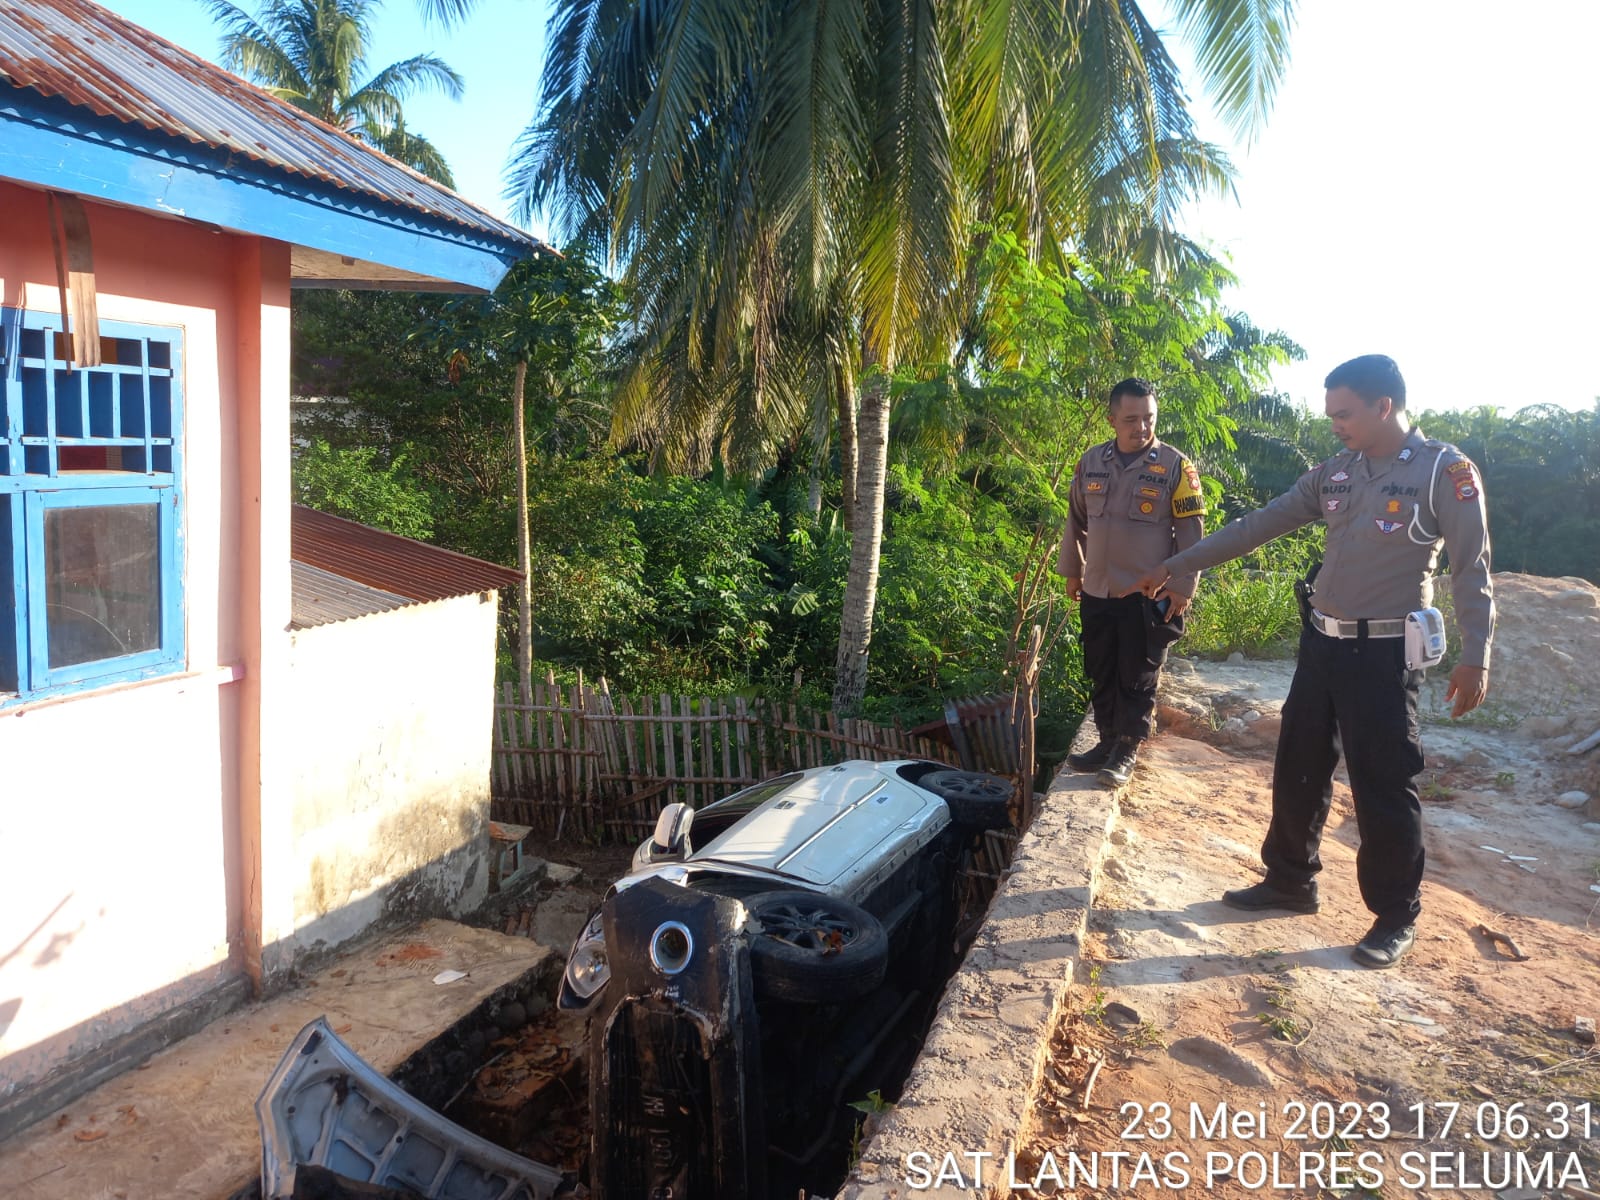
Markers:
<point>1424,638</point>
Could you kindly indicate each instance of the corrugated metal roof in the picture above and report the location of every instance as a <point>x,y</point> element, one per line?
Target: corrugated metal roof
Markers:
<point>389,563</point>
<point>83,54</point>
<point>321,597</point>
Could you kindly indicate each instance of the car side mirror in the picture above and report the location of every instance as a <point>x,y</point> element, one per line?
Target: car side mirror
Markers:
<point>671,838</point>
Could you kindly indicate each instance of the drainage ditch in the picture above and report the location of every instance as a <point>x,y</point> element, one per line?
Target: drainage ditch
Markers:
<point>519,1077</point>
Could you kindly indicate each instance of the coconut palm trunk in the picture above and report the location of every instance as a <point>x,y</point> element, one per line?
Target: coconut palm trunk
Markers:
<point>847,445</point>
<point>519,435</point>
<point>866,545</point>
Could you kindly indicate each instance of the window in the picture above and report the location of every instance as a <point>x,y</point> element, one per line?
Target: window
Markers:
<point>91,552</point>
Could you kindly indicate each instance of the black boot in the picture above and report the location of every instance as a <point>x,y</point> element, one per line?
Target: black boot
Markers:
<point>1119,767</point>
<point>1265,895</point>
<point>1092,760</point>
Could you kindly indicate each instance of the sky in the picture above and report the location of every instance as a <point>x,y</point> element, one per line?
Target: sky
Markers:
<point>1423,188</point>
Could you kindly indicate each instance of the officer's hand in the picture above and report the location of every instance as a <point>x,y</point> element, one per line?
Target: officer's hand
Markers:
<point>1074,587</point>
<point>1180,605</point>
<point>1468,686</point>
<point>1151,583</point>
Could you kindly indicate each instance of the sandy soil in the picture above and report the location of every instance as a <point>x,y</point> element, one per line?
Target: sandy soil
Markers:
<point>1339,1079</point>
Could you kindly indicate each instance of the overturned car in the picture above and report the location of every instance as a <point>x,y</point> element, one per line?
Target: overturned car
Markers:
<point>766,961</point>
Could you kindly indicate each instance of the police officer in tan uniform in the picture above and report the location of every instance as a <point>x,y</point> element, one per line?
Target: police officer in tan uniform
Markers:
<point>1133,502</point>
<point>1390,499</point>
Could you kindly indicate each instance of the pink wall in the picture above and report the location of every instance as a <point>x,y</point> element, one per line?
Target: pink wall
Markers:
<point>130,817</point>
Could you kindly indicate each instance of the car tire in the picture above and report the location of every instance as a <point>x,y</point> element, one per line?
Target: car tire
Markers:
<point>976,800</point>
<point>811,948</point>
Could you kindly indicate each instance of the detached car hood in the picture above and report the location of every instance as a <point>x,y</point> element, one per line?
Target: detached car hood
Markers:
<point>826,827</point>
<point>325,1108</point>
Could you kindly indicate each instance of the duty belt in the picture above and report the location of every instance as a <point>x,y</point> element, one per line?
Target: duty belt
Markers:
<point>1334,627</point>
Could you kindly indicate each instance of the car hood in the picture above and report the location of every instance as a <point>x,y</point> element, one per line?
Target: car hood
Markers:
<point>826,826</point>
<point>326,1107</point>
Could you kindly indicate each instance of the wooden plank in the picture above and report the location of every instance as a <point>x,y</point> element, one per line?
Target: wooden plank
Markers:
<point>627,733</point>
<point>648,730</point>
<point>690,792</point>
<point>742,716</point>
<point>670,751</point>
<point>727,750</point>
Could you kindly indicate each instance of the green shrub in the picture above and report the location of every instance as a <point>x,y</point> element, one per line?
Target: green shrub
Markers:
<point>1249,604</point>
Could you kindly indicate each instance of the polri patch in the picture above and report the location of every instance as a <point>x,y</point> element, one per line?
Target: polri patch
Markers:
<point>1159,469</point>
<point>1465,490</point>
<point>1149,491</point>
<point>1405,455</point>
<point>1392,507</point>
<point>1340,476</point>
<point>1333,505</point>
<point>1147,507</point>
<point>1094,485</point>
<point>1387,526</point>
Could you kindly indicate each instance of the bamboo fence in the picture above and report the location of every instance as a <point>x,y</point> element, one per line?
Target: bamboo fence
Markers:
<point>574,760</point>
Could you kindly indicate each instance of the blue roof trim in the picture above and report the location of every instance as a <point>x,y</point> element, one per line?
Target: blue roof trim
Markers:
<point>56,145</point>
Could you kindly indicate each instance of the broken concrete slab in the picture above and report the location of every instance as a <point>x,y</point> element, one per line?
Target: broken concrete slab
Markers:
<point>184,1122</point>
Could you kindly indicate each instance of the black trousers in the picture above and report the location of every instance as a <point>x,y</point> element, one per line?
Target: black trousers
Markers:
<point>1124,647</point>
<point>1354,696</point>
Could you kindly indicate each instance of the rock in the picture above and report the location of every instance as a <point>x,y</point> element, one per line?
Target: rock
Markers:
<point>1250,716</point>
<point>1519,1194</point>
<point>1592,826</point>
<point>1572,799</point>
<point>1583,1030</point>
<point>1546,726</point>
<point>513,1016</point>
<point>560,874</point>
<point>1548,652</point>
<point>1180,666</point>
<point>1120,1014</point>
<point>1236,659</point>
<point>1220,1060</point>
<point>1581,598</point>
<point>1234,725</point>
<point>1476,758</point>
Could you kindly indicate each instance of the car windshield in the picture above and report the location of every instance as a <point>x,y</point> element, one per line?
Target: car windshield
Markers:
<point>742,802</point>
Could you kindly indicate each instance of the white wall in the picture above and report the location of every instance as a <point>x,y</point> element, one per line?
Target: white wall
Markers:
<point>119,888</point>
<point>390,718</point>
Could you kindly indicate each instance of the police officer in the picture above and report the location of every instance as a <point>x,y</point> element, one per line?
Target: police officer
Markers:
<point>1388,499</point>
<point>1133,502</point>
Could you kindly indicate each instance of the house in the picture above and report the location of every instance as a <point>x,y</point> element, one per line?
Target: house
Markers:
<point>207,775</point>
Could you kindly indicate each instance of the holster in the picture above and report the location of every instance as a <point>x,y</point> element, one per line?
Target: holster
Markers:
<point>1303,590</point>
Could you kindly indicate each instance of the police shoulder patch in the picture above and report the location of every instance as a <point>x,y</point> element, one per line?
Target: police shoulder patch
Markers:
<point>1188,497</point>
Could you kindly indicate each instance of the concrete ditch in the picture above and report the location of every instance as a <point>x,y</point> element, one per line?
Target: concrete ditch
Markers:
<point>962,1110</point>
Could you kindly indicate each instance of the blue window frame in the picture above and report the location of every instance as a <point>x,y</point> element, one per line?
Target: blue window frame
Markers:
<point>91,508</point>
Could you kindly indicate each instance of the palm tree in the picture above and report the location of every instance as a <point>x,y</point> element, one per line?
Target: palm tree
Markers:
<point>758,168</point>
<point>313,54</point>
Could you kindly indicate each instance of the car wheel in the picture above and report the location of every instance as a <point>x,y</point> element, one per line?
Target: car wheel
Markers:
<point>976,800</point>
<point>809,948</point>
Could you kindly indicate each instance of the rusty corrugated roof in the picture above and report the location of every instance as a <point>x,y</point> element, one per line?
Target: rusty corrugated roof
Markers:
<point>321,597</point>
<point>390,563</point>
<point>87,56</point>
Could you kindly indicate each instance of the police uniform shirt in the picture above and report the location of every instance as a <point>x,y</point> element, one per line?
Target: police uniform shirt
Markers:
<point>1122,520</point>
<point>1386,518</point>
